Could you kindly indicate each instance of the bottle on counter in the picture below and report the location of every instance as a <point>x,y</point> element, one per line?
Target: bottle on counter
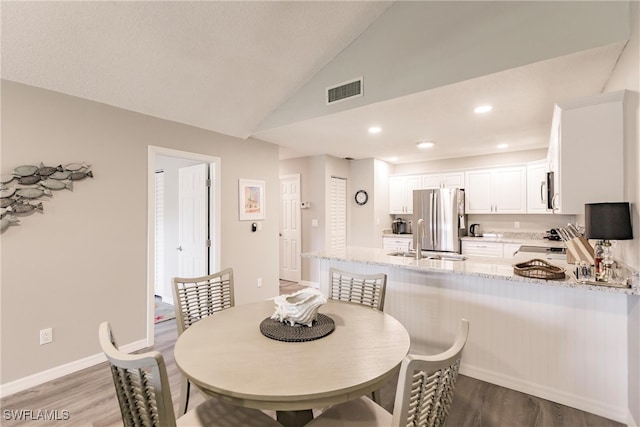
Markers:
<point>598,260</point>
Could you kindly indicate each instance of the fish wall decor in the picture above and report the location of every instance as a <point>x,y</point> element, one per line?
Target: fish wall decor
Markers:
<point>20,189</point>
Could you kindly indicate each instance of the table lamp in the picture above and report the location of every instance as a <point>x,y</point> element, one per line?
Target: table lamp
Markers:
<point>605,222</point>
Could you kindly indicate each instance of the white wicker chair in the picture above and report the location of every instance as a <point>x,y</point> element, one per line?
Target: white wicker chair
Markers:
<point>366,289</point>
<point>194,299</point>
<point>142,387</point>
<point>423,396</point>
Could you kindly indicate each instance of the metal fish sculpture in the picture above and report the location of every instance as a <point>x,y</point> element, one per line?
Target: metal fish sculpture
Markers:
<point>29,180</point>
<point>32,193</point>
<point>76,176</point>
<point>54,184</point>
<point>6,178</point>
<point>6,202</point>
<point>60,175</point>
<point>7,221</point>
<point>7,192</point>
<point>48,170</point>
<point>25,170</point>
<point>76,167</point>
<point>20,208</point>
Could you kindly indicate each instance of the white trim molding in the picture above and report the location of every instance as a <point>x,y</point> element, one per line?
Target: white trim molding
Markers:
<point>39,378</point>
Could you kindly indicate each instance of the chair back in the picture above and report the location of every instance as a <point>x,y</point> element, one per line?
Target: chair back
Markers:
<point>199,297</point>
<point>366,289</point>
<point>141,382</point>
<point>426,385</point>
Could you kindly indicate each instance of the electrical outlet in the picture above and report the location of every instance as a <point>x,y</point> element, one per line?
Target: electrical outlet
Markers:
<point>259,282</point>
<point>516,224</point>
<point>46,336</point>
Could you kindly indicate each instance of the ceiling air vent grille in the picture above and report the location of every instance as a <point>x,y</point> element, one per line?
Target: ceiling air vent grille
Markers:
<point>344,91</point>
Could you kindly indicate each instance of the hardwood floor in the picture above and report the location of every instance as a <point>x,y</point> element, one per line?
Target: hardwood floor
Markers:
<point>90,400</point>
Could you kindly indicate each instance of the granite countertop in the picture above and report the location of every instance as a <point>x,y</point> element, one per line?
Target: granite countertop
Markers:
<point>491,268</point>
<point>524,238</point>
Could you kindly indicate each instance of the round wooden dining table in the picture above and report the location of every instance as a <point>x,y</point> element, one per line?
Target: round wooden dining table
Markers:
<point>226,355</point>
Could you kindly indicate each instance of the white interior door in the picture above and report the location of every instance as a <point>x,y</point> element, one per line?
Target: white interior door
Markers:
<point>193,228</point>
<point>290,233</point>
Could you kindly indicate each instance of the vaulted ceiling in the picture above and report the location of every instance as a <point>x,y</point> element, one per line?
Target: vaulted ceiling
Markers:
<point>261,68</point>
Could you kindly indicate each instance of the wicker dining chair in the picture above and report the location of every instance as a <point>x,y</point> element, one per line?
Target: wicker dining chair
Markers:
<point>366,289</point>
<point>144,395</point>
<point>423,396</point>
<point>194,299</point>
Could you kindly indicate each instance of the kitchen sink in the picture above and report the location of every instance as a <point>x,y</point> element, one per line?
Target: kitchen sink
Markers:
<point>404,254</point>
<point>442,256</point>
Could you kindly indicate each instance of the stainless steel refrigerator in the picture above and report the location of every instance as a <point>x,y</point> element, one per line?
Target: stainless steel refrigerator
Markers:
<point>442,211</point>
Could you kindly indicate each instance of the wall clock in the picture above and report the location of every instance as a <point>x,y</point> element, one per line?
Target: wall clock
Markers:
<point>361,197</point>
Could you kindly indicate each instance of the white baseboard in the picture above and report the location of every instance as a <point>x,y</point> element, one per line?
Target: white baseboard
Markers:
<point>631,422</point>
<point>22,384</point>
<point>312,284</point>
<point>616,413</point>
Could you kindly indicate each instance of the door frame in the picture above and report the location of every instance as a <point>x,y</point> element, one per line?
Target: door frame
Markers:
<point>214,218</point>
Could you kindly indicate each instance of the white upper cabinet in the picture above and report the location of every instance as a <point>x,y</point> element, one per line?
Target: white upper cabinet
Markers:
<point>401,193</point>
<point>499,190</point>
<point>586,152</point>
<point>443,180</point>
<point>537,187</point>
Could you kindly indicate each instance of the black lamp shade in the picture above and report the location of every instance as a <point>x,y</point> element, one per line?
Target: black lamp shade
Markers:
<point>607,221</point>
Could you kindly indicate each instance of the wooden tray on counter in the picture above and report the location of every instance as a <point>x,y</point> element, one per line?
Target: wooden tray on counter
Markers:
<point>539,269</point>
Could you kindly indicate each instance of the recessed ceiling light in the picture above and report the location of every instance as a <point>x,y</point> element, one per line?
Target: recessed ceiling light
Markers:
<point>375,129</point>
<point>483,109</point>
<point>425,144</point>
<point>503,146</point>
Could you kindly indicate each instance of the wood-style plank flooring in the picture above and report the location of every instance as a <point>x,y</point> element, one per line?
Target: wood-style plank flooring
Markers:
<point>90,400</point>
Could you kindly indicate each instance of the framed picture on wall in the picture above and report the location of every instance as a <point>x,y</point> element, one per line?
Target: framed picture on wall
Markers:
<point>251,200</point>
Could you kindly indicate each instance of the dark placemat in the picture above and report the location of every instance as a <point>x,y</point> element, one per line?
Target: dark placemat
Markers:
<point>280,331</point>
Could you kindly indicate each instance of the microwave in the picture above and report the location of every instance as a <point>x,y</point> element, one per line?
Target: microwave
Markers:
<point>550,191</point>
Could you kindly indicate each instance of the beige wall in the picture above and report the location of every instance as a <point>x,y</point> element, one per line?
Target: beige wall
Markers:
<point>362,230</point>
<point>84,259</point>
<point>472,162</point>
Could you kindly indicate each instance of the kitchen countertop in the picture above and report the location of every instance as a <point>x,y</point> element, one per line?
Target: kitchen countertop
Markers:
<point>491,268</point>
<point>530,239</point>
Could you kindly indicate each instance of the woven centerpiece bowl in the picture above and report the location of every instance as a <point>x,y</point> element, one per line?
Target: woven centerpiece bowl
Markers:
<point>299,308</point>
<point>539,269</point>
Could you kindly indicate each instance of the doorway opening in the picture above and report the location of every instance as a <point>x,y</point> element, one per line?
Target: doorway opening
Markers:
<point>183,222</point>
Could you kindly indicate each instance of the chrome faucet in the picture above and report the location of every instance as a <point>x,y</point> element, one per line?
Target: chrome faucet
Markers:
<point>419,232</point>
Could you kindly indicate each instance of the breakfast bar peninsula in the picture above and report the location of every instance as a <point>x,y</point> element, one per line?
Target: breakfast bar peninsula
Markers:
<point>556,339</point>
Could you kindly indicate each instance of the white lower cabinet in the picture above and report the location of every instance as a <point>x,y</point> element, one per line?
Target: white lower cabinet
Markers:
<point>397,243</point>
<point>487,249</point>
<point>509,249</point>
<point>490,249</point>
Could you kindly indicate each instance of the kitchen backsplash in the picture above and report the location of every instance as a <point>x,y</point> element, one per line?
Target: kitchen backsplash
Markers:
<point>529,223</point>
<point>525,235</point>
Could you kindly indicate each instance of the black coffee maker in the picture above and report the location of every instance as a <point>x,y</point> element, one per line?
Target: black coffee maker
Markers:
<point>399,226</point>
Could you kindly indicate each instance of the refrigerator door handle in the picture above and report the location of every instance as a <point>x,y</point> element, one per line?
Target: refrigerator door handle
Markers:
<point>435,221</point>
<point>431,221</point>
